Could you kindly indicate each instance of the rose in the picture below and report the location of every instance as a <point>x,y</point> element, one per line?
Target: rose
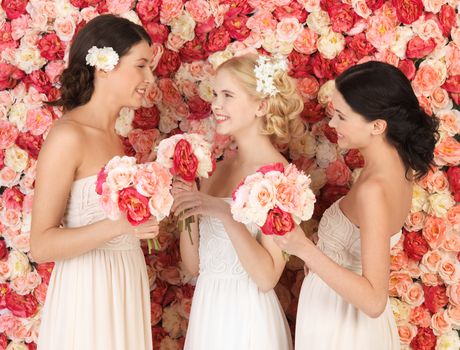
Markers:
<point>185,163</point>
<point>434,231</point>
<point>299,67</point>
<point>415,221</point>
<point>3,250</point>
<point>30,143</point>
<point>271,167</point>
<point>236,27</point>
<point>51,47</point>
<point>406,332</point>
<point>420,316</point>
<point>278,223</point>
<point>44,270</point>
<point>419,48</point>
<point>446,19</point>
<point>9,76</point>
<point>338,173</point>
<point>14,8</point>
<point>435,297</point>
<point>414,295</point>
<point>193,51</point>
<point>424,340</point>
<point>146,118</point>
<point>440,322</point>
<point>359,44</point>
<point>415,245</point>
<point>169,63</point>
<point>408,68</point>
<point>13,198</point>
<point>342,17</point>
<point>453,175</point>
<point>408,11</point>
<point>199,109</point>
<point>21,305</point>
<point>399,283</point>
<point>135,205</point>
<point>218,39</point>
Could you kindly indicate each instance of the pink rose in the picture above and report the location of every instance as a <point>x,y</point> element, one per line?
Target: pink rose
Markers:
<point>399,283</point>
<point>420,316</point>
<point>435,297</point>
<point>308,87</point>
<point>440,98</point>
<point>415,221</point>
<point>453,217</point>
<point>446,19</point>
<point>287,197</point>
<point>278,223</point>
<point>449,271</point>
<point>306,41</point>
<point>118,7</point>
<point>271,167</point>
<point>419,48</point>
<point>9,75</point>
<point>171,95</point>
<point>408,68</point>
<point>414,295</point>
<point>406,333</point>
<point>40,293</point>
<point>14,8</point>
<point>135,205</point>
<point>427,79</point>
<point>434,231</point>
<point>441,322</point>
<point>51,47</point>
<point>338,173</point>
<point>8,134</point>
<point>454,315</point>
<point>38,120</point>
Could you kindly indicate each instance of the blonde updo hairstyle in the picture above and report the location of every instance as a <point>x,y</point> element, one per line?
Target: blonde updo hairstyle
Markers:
<point>282,121</point>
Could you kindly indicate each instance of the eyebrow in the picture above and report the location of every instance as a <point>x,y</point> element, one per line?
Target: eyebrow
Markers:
<point>228,91</point>
<point>143,59</point>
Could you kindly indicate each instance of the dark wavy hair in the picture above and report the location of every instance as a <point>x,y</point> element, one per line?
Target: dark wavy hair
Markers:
<point>378,90</point>
<point>77,80</point>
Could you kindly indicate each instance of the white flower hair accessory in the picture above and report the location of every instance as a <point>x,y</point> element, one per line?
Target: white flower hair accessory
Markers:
<point>102,58</point>
<point>265,70</point>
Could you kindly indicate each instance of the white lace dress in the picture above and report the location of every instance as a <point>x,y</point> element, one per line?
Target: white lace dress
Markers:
<point>229,312</point>
<point>325,321</point>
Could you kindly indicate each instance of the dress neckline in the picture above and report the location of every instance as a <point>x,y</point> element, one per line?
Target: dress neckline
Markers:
<point>84,179</point>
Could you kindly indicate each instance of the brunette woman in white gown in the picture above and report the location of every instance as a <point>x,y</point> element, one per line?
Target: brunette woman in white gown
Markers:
<point>98,295</point>
<point>343,303</point>
<point>234,305</point>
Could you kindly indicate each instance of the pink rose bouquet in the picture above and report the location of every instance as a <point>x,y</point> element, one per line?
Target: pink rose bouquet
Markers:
<point>188,156</point>
<point>137,190</point>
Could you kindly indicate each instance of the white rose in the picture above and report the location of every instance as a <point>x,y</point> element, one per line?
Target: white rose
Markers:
<point>219,57</point>
<point>399,46</point>
<point>319,22</point>
<point>132,16</point>
<point>123,125</point>
<point>14,345</point>
<point>401,310</point>
<point>184,26</point>
<point>419,199</point>
<point>206,91</point>
<point>330,44</point>
<point>440,203</point>
<point>326,153</point>
<point>304,146</point>
<point>167,123</point>
<point>448,341</point>
<point>325,92</point>
<point>28,59</point>
<point>19,264</point>
<point>172,321</point>
<point>16,158</point>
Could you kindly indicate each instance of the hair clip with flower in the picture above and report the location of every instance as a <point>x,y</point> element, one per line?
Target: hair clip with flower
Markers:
<point>104,58</point>
<point>265,70</point>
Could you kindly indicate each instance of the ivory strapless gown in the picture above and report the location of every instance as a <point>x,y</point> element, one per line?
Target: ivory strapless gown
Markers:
<point>325,321</point>
<point>99,300</point>
<point>229,312</point>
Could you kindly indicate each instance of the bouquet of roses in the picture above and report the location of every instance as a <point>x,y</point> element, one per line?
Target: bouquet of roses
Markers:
<point>188,156</point>
<point>137,190</point>
<point>275,198</point>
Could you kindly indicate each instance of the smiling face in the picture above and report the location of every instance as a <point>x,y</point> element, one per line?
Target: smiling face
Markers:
<point>131,77</point>
<point>353,130</point>
<point>235,110</point>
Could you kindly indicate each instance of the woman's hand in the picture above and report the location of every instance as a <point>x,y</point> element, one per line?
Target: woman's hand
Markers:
<point>292,242</point>
<point>179,185</point>
<point>146,230</point>
<point>187,204</point>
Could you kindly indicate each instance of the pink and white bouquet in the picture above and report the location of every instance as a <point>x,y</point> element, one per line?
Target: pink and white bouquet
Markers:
<point>187,156</point>
<point>275,198</point>
<point>137,190</point>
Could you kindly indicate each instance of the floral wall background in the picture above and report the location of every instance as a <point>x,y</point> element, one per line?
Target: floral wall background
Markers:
<point>320,39</point>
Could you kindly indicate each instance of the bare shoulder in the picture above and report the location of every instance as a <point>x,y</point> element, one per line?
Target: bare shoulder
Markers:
<point>65,132</point>
<point>371,188</point>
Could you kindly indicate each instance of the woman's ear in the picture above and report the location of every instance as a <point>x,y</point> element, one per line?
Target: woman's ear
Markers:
<point>262,110</point>
<point>379,127</point>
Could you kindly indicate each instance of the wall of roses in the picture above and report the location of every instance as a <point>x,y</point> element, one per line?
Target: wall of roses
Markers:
<point>320,39</point>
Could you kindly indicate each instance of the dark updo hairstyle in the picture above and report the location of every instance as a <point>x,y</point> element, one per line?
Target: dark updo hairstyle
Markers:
<point>77,80</point>
<point>378,90</point>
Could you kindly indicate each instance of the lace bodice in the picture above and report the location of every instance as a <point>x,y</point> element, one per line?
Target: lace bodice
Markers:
<point>340,239</point>
<point>217,255</point>
<point>83,209</point>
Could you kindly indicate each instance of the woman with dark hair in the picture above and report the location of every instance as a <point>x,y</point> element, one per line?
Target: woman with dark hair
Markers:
<point>98,294</point>
<point>344,298</point>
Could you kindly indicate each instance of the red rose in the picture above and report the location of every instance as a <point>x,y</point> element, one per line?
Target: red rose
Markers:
<point>204,28</point>
<point>101,178</point>
<point>6,38</point>
<point>453,175</point>
<point>29,143</point>
<point>32,346</point>
<point>39,80</point>
<point>13,198</point>
<point>342,16</point>
<point>330,133</point>
<point>79,3</point>
<point>424,340</point>
<point>146,118</point>
<point>193,51</point>
<point>3,250</point>
<point>374,4</point>
<point>21,305</point>
<point>135,205</point>
<point>218,39</point>
<point>455,97</point>
<point>9,76</point>
<point>158,32</point>
<point>418,48</point>
<point>238,6</point>
<point>4,289</point>
<point>3,341</point>
<point>142,140</point>
<point>408,68</point>
<point>44,270</point>
<point>344,60</point>
<point>452,84</point>
<point>278,223</point>
<point>236,27</point>
<point>148,10</point>
<point>353,159</point>
<point>447,19</point>
<point>328,195</point>
<point>271,167</point>
<point>158,293</point>
<point>292,9</point>
<point>169,63</point>
<point>435,297</point>
<point>408,11</point>
<point>51,47</point>
<point>199,109</point>
<point>359,44</point>
<point>299,67</point>
<point>415,245</point>
<point>14,8</point>
<point>158,334</point>
<point>321,67</point>
<point>312,112</point>
<point>185,162</point>
<point>2,158</point>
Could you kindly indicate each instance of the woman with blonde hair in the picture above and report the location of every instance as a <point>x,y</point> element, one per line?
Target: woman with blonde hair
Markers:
<point>234,305</point>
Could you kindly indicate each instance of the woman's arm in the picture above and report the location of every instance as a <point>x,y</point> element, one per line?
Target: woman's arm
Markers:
<point>58,161</point>
<point>263,262</point>
<point>369,291</point>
